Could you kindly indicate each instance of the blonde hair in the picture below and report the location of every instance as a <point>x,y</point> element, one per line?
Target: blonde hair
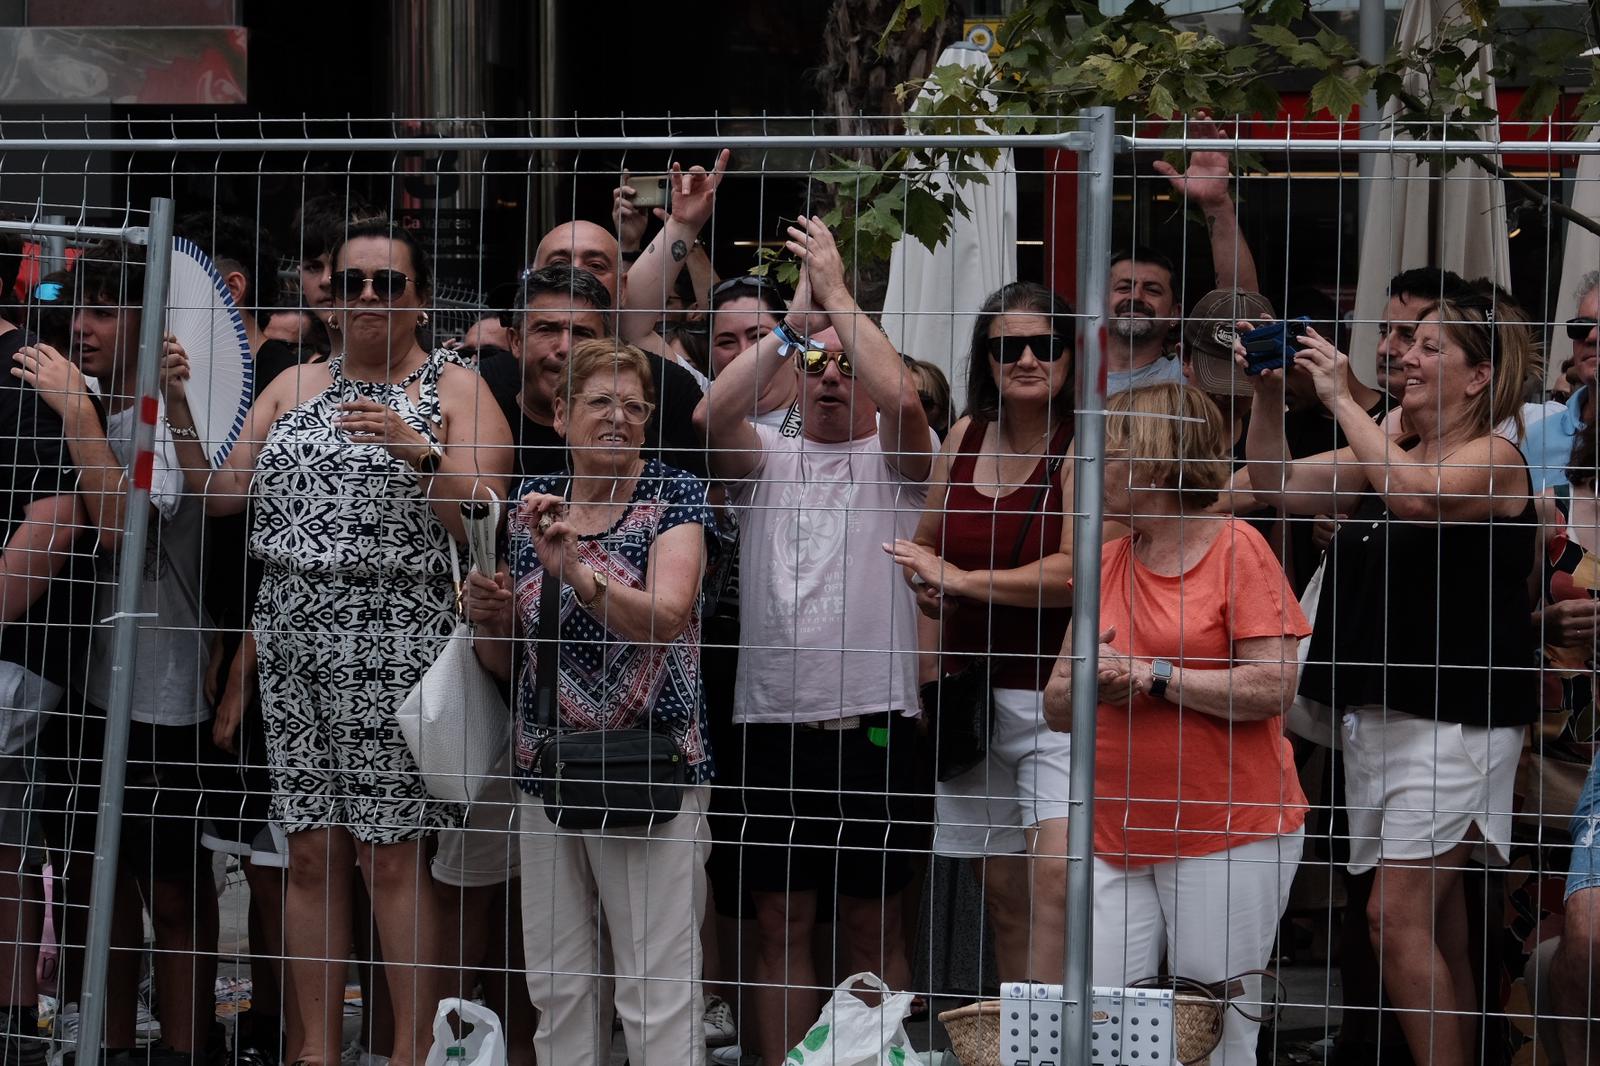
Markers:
<point>607,356</point>
<point>1176,438</point>
<point>1493,331</point>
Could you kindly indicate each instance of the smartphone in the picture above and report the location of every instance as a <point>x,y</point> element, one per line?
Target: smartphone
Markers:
<point>652,190</point>
<point>1271,347</point>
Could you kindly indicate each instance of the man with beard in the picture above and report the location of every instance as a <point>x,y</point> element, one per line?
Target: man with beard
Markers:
<point>1144,296</point>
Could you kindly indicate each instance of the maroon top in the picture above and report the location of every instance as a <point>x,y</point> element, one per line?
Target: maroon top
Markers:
<point>980,532</point>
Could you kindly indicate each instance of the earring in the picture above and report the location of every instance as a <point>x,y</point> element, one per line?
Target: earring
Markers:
<point>422,320</point>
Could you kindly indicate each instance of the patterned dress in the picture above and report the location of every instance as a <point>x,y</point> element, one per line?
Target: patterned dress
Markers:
<point>354,605</point>
<point>605,681</point>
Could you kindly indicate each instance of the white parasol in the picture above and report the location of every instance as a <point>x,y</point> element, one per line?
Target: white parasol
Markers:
<point>1580,255</point>
<point>202,315</point>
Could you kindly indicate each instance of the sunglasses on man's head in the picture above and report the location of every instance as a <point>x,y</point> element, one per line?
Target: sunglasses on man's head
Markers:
<point>816,360</point>
<point>1579,328</point>
<point>1046,347</point>
<point>350,283</point>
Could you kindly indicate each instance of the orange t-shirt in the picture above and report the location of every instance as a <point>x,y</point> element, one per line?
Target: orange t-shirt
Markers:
<point>1171,783</point>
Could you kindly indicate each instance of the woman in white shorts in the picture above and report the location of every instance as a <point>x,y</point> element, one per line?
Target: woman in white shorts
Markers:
<point>990,562</point>
<point>1423,636</point>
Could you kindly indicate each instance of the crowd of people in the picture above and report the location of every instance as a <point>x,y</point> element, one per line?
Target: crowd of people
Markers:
<point>759,550</point>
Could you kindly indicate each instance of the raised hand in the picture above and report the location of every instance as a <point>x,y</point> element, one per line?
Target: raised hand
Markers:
<point>821,265</point>
<point>630,222</point>
<point>174,371</point>
<point>486,601</point>
<point>57,378</point>
<point>1327,365</point>
<point>1207,181</point>
<point>694,193</point>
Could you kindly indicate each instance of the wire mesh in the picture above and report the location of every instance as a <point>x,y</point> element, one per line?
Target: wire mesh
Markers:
<point>819,533</point>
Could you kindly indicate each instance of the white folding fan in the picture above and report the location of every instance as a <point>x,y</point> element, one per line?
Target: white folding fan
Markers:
<point>202,315</point>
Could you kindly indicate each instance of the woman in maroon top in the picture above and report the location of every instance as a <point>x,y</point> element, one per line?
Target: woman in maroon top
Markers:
<point>992,567</point>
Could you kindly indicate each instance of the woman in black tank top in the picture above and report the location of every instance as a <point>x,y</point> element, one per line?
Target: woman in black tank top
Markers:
<point>1423,637</point>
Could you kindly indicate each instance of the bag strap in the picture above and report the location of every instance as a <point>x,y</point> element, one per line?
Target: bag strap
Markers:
<point>1051,469</point>
<point>547,666</point>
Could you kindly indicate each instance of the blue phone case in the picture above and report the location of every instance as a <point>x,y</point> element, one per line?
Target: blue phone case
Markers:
<point>1270,347</point>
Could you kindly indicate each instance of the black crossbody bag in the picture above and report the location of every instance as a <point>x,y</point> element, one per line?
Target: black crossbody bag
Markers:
<point>960,705</point>
<point>597,778</point>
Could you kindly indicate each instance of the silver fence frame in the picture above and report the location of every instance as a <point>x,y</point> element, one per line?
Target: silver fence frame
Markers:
<point>1098,142</point>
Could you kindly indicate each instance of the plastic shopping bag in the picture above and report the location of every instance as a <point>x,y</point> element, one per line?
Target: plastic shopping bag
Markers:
<point>482,1042</point>
<point>848,1032</point>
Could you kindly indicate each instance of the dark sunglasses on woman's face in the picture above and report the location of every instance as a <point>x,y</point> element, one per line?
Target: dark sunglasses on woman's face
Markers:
<point>1579,328</point>
<point>1046,347</point>
<point>351,283</point>
<point>816,360</point>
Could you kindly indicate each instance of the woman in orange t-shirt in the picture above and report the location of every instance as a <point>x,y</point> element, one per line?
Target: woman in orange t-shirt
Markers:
<point>1198,822</point>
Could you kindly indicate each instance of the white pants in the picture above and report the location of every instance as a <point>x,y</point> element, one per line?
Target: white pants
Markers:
<point>1213,916</point>
<point>650,888</point>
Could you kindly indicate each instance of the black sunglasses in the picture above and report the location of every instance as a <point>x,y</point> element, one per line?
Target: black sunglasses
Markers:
<point>816,360</point>
<point>350,283</point>
<point>1046,347</point>
<point>1579,328</point>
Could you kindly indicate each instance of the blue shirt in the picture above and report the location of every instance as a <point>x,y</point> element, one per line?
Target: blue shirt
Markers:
<point>1548,445</point>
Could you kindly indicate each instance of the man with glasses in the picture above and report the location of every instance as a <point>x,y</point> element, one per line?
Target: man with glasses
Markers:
<point>826,688</point>
<point>1549,442</point>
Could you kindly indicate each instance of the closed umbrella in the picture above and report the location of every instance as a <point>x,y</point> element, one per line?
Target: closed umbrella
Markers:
<point>933,298</point>
<point>1415,217</point>
<point>1581,255</point>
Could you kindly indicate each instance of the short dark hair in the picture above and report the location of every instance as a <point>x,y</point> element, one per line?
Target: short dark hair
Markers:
<point>109,272</point>
<point>564,279</point>
<point>1143,253</point>
<point>321,222</point>
<point>747,286</point>
<point>421,266</point>
<point>1027,297</point>
<point>1431,284</point>
<point>235,243</point>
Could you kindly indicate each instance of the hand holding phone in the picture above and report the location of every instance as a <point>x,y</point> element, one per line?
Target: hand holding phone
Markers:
<point>1271,346</point>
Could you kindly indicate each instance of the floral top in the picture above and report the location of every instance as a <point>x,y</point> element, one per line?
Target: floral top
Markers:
<point>606,681</point>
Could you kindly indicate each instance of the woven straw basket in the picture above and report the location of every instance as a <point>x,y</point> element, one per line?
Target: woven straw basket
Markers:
<point>974,1030</point>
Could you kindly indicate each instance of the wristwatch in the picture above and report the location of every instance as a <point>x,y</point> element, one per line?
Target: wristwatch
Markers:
<point>430,460</point>
<point>789,342</point>
<point>1160,674</point>
<point>601,584</point>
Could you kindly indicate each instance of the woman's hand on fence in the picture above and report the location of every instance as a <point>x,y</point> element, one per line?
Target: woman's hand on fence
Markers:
<point>553,539</point>
<point>371,422</point>
<point>58,380</point>
<point>486,600</point>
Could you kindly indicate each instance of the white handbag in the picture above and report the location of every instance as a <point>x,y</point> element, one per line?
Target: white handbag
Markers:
<point>455,719</point>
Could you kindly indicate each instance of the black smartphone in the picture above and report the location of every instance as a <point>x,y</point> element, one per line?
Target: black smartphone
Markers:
<point>1271,347</point>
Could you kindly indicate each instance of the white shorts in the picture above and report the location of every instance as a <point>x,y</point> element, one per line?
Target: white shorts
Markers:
<point>1024,780</point>
<point>483,852</point>
<point>1415,787</point>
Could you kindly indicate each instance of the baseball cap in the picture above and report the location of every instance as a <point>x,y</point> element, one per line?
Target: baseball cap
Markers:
<point>1208,334</point>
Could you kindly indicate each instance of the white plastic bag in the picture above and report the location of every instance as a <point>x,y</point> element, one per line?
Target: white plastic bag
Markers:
<point>482,1042</point>
<point>850,1033</point>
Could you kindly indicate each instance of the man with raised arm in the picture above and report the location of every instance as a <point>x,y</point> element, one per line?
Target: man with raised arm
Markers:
<point>826,688</point>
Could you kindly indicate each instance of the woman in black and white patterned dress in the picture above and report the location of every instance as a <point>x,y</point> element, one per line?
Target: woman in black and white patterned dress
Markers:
<point>354,470</point>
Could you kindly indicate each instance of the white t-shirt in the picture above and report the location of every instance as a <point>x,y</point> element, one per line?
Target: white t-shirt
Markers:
<point>174,646</point>
<point>828,627</point>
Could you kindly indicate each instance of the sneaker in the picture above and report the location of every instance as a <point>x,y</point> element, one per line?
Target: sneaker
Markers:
<point>20,1042</point>
<point>732,1055</point>
<point>720,1031</point>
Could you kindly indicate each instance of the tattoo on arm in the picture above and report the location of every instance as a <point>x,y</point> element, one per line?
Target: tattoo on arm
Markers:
<point>680,250</point>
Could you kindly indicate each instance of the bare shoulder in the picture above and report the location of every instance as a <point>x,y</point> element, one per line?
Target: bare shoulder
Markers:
<point>293,387</point>
<point>958,433</point>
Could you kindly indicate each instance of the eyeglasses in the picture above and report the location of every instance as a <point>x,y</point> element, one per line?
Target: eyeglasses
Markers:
<point>1579,328</point>
<point>816,360</point>
<point>1046,347</point>
<point>601,405</point>
<point>350,284</point>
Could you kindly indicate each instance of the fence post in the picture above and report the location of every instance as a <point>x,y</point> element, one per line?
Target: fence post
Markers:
<point>130,585</point>
<point>1094,253</point>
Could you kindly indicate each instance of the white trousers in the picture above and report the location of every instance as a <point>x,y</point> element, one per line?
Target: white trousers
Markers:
<point>649,888</point>
<point>1212,916</point>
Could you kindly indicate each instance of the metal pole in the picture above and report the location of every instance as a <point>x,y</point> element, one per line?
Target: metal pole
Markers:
<point>1373,48</point>
<point>130,585</point>
<point>54,255</point>
<point>1088,506</point>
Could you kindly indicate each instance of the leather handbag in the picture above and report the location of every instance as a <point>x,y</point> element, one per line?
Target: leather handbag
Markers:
<point>598,778</point>
<point>455,719</point>
<point>960,705</point>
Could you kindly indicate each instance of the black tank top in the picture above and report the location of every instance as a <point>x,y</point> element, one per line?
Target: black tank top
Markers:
<point>1432,619</point>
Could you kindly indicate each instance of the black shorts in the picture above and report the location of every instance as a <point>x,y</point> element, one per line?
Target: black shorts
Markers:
<point>164,798</point>
<point>831,811</point>
<point>239,788</point>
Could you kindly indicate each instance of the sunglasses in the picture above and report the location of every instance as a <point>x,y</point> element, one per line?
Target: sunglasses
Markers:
<point>1579,328</point>
<point>1046,347</point>
<point>351,283</point>
<point>816,361</point>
